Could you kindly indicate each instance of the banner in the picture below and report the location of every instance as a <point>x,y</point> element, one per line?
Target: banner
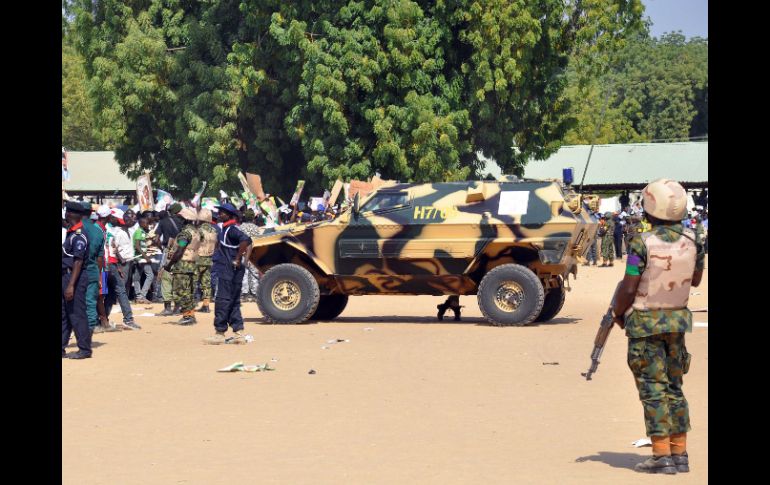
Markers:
<point>335,193</point>
<point>254,185</point>
<point>295,197</point>
<point>65,173</point>
<point>196,200</point>
<point>360,187</point>
<point>209,203</point>
<point>144,193</point>
<point>163,200</point>
<point>611,204</point>
<point>317,203</point>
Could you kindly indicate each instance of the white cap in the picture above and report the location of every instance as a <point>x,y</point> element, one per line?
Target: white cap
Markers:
<point>94,216</point>
<point>103,211</point>
<point>117,213</point>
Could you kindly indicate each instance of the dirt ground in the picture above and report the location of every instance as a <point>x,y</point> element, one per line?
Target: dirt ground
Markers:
<point>406,400</point>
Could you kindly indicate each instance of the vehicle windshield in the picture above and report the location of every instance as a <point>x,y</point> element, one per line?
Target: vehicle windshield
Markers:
<point>385,200</point>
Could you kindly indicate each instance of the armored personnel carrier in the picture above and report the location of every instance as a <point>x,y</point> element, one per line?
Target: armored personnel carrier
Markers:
<point>511,243</point>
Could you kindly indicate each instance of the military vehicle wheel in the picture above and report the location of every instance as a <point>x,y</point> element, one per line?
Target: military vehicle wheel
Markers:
<point>287,293</point>
<point>510,294</point>
<point>330,307</point>
<point>552,304</point>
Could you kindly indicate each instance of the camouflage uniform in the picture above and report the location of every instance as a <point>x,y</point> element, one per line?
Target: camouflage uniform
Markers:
<point>657,355</point>
<point>608,242</point>
<point>251,275</point>
<point>184,270</point>
<point>203,265</point>
<point>699,232</point>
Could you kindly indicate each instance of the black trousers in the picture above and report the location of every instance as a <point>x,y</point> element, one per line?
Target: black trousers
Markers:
<point>227,304</point>
<point>74,316</point>
<point>619,246</point>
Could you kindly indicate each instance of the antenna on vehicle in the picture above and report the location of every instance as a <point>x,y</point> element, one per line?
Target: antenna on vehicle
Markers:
<point>593,140</point>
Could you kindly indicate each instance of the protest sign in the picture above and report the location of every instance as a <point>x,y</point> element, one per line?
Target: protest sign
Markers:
<point>295,197</point>
<point>144,192</point>
<point>254,184</point>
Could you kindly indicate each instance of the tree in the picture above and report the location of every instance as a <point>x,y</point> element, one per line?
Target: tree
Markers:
<point>325,89</point>
<point>658,90</point>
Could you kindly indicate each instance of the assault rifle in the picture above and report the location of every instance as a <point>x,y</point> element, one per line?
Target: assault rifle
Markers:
<point>601,337</point>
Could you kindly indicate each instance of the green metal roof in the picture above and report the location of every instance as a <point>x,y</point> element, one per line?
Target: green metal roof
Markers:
<point>622,164</point>
<point>96,172</point>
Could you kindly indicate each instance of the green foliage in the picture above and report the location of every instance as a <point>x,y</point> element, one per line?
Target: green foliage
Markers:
<point>77,130</point>
<point>658,89</point>
<point>338,89</point>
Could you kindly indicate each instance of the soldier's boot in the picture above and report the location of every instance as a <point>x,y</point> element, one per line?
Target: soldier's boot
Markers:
<point>188,319</point>
<point>679,452</point>
<point>457,312</point>
<point>442,308</point>
<point>167,311</point>
<point>660,461</point>
<point>682,462</point>
<point>217,339</point>
<point>204,306</point>
<point>657,464</point>
<point>177,309</point>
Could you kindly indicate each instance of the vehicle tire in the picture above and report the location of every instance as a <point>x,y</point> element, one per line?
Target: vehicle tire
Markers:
<point>287,293</point>
<point>330,307</point>
<point>507,282</point>
<point>552,304</point>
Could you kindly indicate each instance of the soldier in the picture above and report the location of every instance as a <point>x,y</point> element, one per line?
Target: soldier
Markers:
<point>699,232</point>
<point>251,275</point>
<point>453,302</point>
<point>168,228</point>
<point>232,245</point>
<point>182,265</point>
<point>608,239</point>
<point>208,235</point>
<point>651,304</point>
<point>74,284</point>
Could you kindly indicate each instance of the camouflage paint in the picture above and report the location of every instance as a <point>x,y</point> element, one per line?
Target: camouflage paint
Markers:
<point>435,243</point>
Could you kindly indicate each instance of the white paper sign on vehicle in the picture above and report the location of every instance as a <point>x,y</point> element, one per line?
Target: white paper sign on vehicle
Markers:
<point>513,202</point>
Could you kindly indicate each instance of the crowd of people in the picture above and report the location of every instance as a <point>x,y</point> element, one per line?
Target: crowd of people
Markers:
<point>617,228</point>
<point>177,256</point>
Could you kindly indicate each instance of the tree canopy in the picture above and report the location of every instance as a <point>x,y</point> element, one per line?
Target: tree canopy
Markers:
<point>327,89</point>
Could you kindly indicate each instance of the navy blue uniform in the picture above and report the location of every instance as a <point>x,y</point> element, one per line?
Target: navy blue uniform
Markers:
<point>228,300</point>
<point>73,313</point>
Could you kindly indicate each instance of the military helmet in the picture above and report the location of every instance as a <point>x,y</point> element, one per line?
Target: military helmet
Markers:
<point>188,214</point>
<point>204,215</point>
<point>665,199</point>
<point>608,215</point>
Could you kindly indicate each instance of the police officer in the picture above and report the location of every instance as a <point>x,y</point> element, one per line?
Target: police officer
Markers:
<point>181,265</point>
<point>208,234</point>
<point>651,305</point>
<point>232,245</point>
<point>74,283</point>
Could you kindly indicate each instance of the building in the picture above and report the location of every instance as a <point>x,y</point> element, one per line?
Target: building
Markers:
<point>96,176</point>
<point>628,166</point>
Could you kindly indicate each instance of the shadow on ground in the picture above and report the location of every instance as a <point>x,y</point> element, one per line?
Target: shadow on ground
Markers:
<point>615,460</point>
<point>94,344</point>
<point>417,320</point>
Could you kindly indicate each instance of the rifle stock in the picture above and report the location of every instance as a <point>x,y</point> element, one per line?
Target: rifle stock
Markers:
<point>601,337</point>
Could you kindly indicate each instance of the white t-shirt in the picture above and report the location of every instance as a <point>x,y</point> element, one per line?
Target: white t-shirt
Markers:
<point>121,242</point>
<point>132,230</point>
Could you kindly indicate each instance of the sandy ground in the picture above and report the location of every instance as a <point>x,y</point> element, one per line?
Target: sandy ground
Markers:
<point>406,400</point>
